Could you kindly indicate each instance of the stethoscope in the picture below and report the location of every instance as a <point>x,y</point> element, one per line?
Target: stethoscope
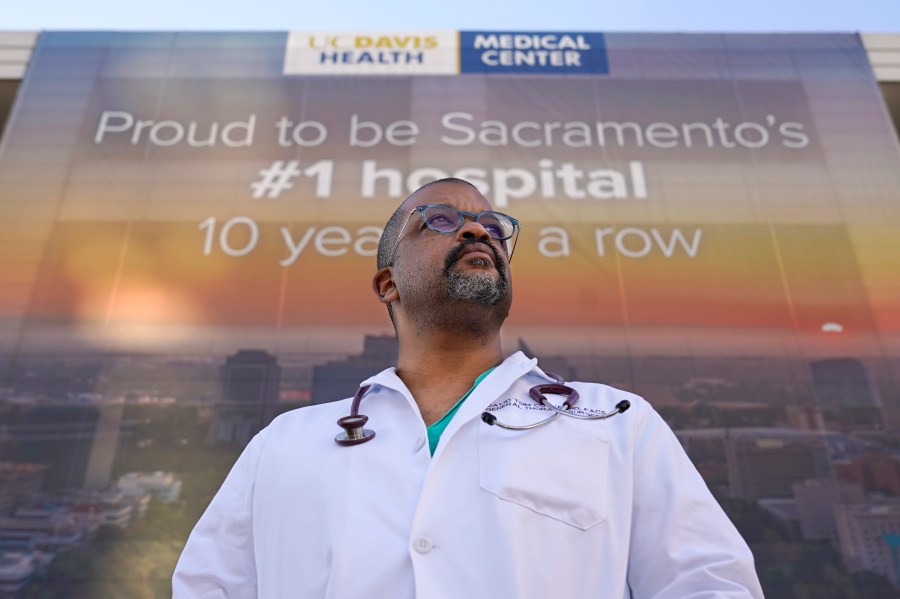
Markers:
<point>356,433</point>
<point>558,388</point>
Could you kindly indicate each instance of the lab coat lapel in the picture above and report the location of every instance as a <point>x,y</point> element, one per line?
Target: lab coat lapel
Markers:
<point>489,390</point>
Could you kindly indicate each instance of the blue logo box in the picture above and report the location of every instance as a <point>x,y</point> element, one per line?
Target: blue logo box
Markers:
<point>558,53</point>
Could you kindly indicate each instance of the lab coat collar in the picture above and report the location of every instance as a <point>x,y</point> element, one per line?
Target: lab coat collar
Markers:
<point>388,379</point>
<point>518,361</point>
<point>508,371</point>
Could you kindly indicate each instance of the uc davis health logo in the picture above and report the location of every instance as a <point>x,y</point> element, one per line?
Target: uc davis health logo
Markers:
<point>371,53</point>
<point>533,52</point>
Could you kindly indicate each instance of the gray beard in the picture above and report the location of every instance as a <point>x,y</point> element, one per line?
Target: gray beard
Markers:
<point>478,287</point>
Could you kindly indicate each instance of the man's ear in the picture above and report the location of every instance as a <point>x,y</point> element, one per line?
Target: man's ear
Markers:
<point>383,284</point>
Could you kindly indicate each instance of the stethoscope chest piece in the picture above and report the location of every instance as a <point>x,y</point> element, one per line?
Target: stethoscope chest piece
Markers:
<point>354,431</point>
<point>354,424</point>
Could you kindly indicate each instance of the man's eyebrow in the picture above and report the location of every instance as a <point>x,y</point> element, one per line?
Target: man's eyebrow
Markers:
<point>452,207</point>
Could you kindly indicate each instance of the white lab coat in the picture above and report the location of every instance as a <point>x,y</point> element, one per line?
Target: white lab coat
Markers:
<point>571,509</point>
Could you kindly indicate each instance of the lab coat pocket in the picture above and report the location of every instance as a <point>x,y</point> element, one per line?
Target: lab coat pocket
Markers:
<point>554,470</point>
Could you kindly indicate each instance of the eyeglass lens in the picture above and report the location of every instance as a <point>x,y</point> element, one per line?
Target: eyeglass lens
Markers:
<point>445,219</point>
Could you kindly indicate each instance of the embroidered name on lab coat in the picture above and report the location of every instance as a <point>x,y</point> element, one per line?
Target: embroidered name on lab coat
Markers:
<point>532,406</point>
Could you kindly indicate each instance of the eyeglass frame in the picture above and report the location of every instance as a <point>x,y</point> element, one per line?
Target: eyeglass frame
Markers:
<point>463,213</point>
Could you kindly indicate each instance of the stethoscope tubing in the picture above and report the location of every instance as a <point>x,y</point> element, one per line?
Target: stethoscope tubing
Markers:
<point>491,420</point>
<point>620,407</point>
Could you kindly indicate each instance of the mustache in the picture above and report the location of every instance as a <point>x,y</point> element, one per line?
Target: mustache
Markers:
<point>454,254</point>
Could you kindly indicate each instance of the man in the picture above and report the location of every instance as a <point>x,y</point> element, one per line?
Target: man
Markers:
<point>607,508</point>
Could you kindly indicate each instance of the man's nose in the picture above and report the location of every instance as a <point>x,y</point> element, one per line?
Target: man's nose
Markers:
<point>473,230</point>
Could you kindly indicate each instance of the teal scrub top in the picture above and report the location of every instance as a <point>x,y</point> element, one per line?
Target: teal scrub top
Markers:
<point>436,429</point>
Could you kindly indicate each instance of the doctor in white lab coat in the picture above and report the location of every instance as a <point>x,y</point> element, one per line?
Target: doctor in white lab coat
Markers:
<point>605,509</point>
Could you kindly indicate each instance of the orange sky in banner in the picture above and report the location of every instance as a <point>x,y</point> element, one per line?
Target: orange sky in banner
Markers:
<point>156,273</point>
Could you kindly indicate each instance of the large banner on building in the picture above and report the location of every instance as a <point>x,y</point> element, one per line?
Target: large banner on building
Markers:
<point>189,225</point>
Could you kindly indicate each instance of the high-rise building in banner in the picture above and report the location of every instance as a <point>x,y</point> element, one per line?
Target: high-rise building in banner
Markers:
<point>765,463</point>
<point>250,381</point>
<point>816,499</point>
<point>843,383</point>
<point>867,538</point>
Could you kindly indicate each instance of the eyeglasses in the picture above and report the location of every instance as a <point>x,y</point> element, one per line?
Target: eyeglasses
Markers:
<point>446,219</point>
